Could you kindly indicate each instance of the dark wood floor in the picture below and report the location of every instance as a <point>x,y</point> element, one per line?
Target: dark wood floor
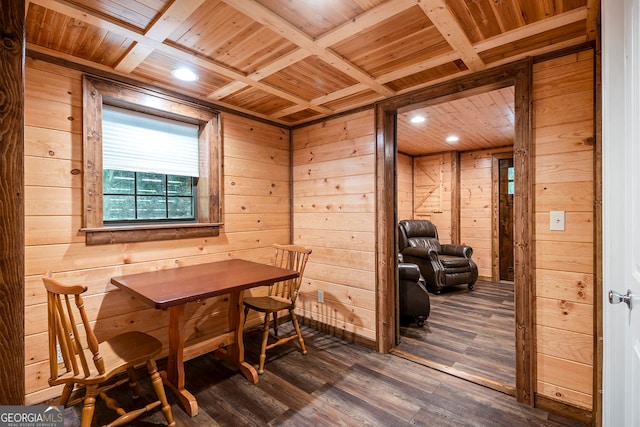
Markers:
<point>468,333</point>
<point>336,383</point>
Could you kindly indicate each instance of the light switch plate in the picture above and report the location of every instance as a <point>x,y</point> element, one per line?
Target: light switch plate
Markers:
<point>320,297</point>
<point>556,220</point>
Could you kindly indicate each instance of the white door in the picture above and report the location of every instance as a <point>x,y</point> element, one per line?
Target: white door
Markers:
<point>621,210</point>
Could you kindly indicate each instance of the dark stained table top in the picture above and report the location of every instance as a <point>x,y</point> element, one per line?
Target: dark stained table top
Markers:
<point>175,286</point>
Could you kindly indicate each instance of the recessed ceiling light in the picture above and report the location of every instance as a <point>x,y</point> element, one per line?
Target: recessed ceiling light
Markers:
<point>418,119</point>
<point>453,138</point>
<point>184,74</point>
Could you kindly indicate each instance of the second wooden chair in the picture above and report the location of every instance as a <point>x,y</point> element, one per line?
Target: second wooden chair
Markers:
<point>282,296</point>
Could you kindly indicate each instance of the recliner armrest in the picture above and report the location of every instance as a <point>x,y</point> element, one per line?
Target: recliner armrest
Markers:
<point>457,250</point>
<point>408,271</point>
<point>420,252</point>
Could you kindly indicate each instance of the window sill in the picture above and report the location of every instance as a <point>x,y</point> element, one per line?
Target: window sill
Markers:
<point>148,233</point>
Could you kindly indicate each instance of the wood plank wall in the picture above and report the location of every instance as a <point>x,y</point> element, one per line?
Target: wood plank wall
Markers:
<point>334,214</point>
<point>476,208</point>
<point>563,131</point>
<point>476,182</point>
<point>256,214</point>
<point>431,203</point>
<point>405,187</point>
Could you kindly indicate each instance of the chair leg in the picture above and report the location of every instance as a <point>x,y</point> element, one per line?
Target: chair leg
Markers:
<point>89,405</point>
<point>66,393</point>
<point>156,381</point>
<point>263,347</point>
<point>133,383</point>
<point>294,320</point>
<point>275,323</point>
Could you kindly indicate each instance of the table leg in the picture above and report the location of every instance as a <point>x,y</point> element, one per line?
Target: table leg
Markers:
<point>174,377</point>
<point>235,352</point>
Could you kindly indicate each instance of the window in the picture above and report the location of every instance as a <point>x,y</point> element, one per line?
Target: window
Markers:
<point>511,185</point>
<point>131,196</point>
<point>151,166</point>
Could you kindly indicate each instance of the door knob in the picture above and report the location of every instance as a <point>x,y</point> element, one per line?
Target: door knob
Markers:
<point>616,298</point>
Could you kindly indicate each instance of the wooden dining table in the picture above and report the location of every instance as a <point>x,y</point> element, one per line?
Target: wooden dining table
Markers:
<point>173,288</point>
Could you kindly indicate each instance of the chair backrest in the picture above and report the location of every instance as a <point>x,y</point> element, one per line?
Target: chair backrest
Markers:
<point>293,257</point>
<point>418,233</point>
<point>63,330</point>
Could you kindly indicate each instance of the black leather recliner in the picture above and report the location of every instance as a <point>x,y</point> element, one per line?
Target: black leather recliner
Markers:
<point>440,264</point>
<point>414,298</point>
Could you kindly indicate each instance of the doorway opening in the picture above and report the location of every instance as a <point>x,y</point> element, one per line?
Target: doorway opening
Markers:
<point>505,215</point>
<point>517,76</point>
<point>455,170</point>
<point>504,192</point>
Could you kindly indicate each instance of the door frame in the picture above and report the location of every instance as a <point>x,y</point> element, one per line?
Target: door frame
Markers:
<point>495,213</point>
<point>517,74</point>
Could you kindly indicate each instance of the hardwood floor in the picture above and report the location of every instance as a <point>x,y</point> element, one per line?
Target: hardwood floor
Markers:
<point>336,383</point>
<point>468,333</point>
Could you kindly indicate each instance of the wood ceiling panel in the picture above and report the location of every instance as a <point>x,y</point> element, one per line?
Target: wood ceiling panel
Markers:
<point>135,13</point>
<point>300,116</point>
<point>478,17</point>
<point>315,17</point>
<point>158,66</point>
<point>240,42</point>
<point>508,16</point>
<point>480,121</point>
<point>483,19</point>
<point>310,78</point>
<point>73,37</point>
<point>356,100</point>
<point>539,10</point>
<point>400,41</point>
<point>257,100</point>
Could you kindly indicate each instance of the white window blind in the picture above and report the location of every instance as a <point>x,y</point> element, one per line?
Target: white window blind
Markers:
<point>139,142</point>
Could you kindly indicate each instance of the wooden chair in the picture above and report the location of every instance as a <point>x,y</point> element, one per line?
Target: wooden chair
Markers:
<point>94,364</point>
<point>281,296</point>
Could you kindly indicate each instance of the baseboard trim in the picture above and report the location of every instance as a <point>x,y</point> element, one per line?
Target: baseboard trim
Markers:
<point>338,332</point>
<point>562,408</point>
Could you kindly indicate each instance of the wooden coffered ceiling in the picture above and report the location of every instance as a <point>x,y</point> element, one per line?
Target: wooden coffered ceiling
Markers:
<point>480,121</point>
<point>294,61</point>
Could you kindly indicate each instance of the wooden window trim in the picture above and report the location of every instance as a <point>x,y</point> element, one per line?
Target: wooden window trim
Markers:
<point>95,92</point>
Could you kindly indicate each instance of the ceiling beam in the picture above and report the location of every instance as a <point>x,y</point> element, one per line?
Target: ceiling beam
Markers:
<point>502,39</point>
<point>532,29</point>
<point>359,23</point>
<point>333,96</point>
<point>364,21</point>
<point>418,67</point>
<point>162,28</point>
<point>269,69</point>
<point>285,29</point>
<point>447,24</point>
